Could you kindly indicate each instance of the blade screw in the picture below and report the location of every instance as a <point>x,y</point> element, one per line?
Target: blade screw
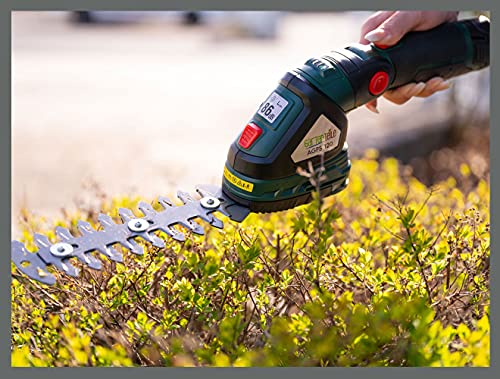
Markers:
<point>138,225</point>
<point>61,249</point>
<point>210,202</point>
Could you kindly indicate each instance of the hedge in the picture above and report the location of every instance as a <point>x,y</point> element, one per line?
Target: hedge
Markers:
<point>387,273</point>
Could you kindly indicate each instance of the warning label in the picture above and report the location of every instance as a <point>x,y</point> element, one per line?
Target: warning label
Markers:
<point>322,137</point>
<point>240,183</point>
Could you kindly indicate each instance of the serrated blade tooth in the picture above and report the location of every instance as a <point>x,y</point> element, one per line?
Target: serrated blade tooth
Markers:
<point>193,226</point>
<point>64,233</point>
<point>197,228</point>
<point>153,239</point>
<point>114,254</point>
<point>165,202</point>
<point>85,227</point>
<point>67,267</point>
<point>212,220</point>
<point>90,261</point>
<point>41,241</point>
<point>133,246</point>
<point>179,236</point>
<point>185,197</point>
<point>146,208</point>
<point>202,192</point>
<point>36,269</point>
<point>217,223</point>
<point>207,190</point>
<point>126,214</point>
<point>105,220</point>
<point>173,233</point>
<point>111,253</point>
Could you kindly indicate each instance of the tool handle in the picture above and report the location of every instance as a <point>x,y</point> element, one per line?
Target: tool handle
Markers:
<point>365,72</point>
<point>447,51</point>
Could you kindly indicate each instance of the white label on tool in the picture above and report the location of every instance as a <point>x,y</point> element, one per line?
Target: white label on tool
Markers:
<point>272,107</point>
<point>322,137</point>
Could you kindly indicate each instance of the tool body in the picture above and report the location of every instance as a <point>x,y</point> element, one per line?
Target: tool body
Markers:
<point>303,120</point>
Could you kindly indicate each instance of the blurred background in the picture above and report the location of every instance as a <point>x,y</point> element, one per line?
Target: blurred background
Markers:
<point>145,103</point>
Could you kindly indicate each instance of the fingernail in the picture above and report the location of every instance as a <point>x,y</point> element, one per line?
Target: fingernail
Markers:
<point>376,35</point>
<point>372,108</point>
<point>442,86</point>
<point>417,89</point>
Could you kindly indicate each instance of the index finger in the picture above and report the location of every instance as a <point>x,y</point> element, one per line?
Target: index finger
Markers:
<point>397,25</point>
<point>372,23</point>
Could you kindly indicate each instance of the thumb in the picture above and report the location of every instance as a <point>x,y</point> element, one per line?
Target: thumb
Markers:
<point>394,28</point>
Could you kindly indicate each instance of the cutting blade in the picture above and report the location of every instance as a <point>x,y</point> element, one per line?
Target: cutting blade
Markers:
<point>58,254</point>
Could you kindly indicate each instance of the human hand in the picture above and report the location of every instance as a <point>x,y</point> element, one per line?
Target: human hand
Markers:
<point>387,28</point>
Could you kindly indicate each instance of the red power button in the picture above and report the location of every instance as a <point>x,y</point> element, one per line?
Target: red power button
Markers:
<point>378,83</point>
<point>249,135</point>
<point>380,46</point>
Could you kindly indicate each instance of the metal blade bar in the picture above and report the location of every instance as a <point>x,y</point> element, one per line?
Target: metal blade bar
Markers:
<point>34,264</point>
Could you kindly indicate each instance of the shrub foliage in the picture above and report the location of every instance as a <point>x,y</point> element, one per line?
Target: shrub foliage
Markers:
<point>386,273</point>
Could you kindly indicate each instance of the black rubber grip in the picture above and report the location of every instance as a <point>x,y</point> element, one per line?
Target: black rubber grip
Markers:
<point>448,50</point>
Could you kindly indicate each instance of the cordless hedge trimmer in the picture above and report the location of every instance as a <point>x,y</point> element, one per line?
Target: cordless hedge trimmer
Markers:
<point>302,122</point>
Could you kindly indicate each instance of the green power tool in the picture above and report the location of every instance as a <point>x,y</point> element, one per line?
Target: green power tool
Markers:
<point>304,119</point>
<point>302,122</point>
